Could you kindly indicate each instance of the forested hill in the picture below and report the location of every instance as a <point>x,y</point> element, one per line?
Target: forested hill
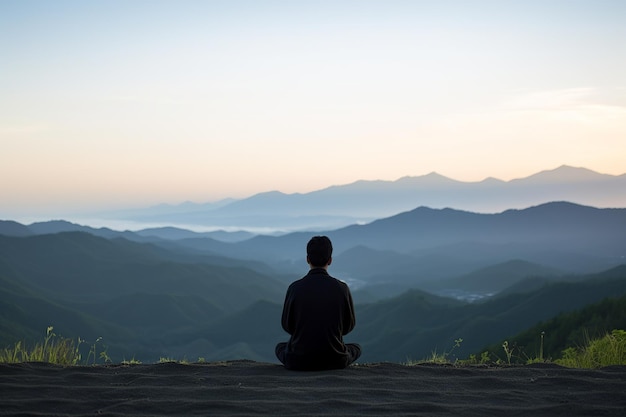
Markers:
<point>549,338</point>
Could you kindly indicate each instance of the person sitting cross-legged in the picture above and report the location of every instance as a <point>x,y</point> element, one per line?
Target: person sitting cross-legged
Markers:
<point>317,313</point>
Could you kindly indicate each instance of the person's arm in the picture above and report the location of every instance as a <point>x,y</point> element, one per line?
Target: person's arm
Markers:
<point>286,320</point>
<point>349,319</point>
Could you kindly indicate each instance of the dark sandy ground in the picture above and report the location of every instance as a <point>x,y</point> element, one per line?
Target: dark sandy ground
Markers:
<point>250,388</point>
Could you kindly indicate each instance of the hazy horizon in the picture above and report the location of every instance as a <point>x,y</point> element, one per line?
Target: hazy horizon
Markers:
<point>592,189</point>
<point>114,104</point>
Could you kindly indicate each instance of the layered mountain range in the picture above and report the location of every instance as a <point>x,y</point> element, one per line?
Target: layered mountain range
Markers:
<point>416,246</point>
<point>144,302</point>
<point>364,201</point>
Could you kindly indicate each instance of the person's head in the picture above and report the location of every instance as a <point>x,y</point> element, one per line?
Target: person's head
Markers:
<point>319,251</point>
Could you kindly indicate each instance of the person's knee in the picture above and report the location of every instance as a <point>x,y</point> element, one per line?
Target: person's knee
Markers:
<point>354,350</point>
<point>280,351</point>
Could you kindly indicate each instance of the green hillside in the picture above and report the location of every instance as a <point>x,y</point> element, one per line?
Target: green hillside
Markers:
<point>412,326</point>
<point>132,295</point>
<point>549,338</point>
<point>78,267</point>
<point>147,302</point>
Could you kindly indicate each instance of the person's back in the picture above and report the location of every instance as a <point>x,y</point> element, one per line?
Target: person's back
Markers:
<point>317,313</point>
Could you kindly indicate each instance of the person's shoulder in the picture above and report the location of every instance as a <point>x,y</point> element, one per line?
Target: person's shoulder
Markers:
<point>298,282</point>
<point>340,283</point>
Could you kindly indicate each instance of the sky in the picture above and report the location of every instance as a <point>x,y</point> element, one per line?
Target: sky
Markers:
<point>115,104</point>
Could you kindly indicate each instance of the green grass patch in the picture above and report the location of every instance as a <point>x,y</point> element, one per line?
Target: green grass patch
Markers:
<point>595,353</point>
<point>55,349</point>
<point>605,351</point>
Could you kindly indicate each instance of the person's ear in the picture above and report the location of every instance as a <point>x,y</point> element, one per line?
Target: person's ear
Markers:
<point>330,261</point>
<point>307,260</point>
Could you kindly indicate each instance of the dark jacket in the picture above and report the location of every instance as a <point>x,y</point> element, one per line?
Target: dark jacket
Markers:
<point>317,313</point>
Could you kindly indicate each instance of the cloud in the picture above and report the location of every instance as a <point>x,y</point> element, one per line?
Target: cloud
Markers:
<point>565,109</point>
<point>549,100</point>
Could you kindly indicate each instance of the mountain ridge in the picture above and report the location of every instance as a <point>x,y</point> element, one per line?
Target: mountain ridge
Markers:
<point>366,200</point>
<point>552,234</point>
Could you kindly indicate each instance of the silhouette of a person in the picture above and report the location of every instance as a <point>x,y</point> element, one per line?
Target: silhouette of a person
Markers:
<point>317,313</point>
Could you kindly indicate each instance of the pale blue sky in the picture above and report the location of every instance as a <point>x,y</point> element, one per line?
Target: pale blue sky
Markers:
<point>109,104</point>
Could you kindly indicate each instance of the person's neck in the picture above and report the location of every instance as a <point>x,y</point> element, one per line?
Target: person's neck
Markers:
<point>325,268</point>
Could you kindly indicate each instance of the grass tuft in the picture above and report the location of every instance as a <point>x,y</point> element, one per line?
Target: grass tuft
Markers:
<point>605,351</point>
<point>54,349</point>
<point>439,358</point>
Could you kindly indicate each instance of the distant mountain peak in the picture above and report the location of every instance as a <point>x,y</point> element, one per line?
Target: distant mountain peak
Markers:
<point>491,180</point>
<point>434,174</point>
<point>565,173</point>
<point>273,193</point>
<point>432,178</point>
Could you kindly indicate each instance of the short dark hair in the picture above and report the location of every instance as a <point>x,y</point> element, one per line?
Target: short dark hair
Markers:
<point>319,250</point>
